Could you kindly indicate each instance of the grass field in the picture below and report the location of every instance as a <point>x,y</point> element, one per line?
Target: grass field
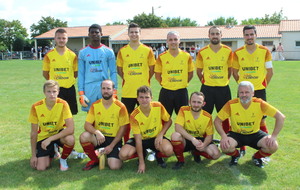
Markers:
<point>21,85</point>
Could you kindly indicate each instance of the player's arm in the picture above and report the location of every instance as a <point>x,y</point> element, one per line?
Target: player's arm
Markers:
<point>224,139</point>
<point>200,73</point>
<point>117,138</point>
<point>208,139</point>
<point>69,130</point>
<point>139,150</point>
<point>279,117</point>
<point>46,75</point>
<point>229,72</point>
<point>33,141</point>
<point>235,74</point>
<point>89,127</point>
<point>269,75</point>
<point>190,76</point>
<point>159,137</point>
<point>151,71</point>
<point>120,72</point>
<point>182,131</point>
<point>75,74</point>
<point>158,77</point>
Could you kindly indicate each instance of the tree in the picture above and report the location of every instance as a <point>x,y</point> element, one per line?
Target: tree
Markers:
<point>9,31</point>
<point>274,19</point>
<point>19,44</point>
<point>115,23</point>
<point>174,22</point>
<point>147,21</point>
<point>46,24</point>
<point>223,21</point>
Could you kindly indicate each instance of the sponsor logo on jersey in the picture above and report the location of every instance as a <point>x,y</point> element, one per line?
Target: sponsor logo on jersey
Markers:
<point>172,79</point>
<point>135,65</point>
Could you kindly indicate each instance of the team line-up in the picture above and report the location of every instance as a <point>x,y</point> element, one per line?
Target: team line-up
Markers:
<point>240,121</point>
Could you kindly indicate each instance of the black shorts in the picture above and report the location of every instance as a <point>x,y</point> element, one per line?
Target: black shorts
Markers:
<point>189,145</point>
<point>146,143</point>
<point>40,152</point>
<point>215,96</point>
<point>129,103</point>
<point>115,151</point>
<point>247,140</point>
<point>261,94</point>
<point>173,99</point>
<point>69,95</point>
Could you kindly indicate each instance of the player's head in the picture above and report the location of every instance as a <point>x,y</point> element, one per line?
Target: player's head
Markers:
<point>245,92</point>
<point>173,40</point>
<point>95,32</point>
<point>107,89</point>
<point>215,34</point>
<point>61,37</point>
<point>250,35</point>
<point>134,31</point>
<point>144,96</point>
<point>197,101</point>
<point>51,89</point>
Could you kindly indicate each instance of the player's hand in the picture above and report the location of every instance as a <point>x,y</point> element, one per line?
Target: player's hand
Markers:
<point>115,94</point>
<point>142,168</point>
<point>83,100</point>
<point>196,142</point>
<point>45,143</point>
<point>270,141</point>
<point>225,144</point>
<point>99,137</point>
<point>33,162</point>
<point>158,141</point>
<point>108,149</point>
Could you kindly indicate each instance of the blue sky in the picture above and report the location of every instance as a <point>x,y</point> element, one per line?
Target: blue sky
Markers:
<point>87,12</point>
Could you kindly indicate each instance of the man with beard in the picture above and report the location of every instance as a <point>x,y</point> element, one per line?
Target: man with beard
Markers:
<point>104,128</point>
<point>253,62</point>
<point>245,114</point>
<point>96,62</point>
<point>213,65</point>
<point>194,131</point>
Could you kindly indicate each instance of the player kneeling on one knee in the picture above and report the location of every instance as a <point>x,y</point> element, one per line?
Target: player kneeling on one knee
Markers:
<point>104,128</point>
<point>245,114</point>
<point>194,132</point>
<point>149,122</point>
<point>51,123</point>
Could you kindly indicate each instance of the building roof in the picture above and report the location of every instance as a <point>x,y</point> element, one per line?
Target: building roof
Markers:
<point>118,33</point>
<point>82,31</point>
<point>289,26</point>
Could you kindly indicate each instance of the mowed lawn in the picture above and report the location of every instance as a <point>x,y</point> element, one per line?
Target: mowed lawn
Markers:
<point>21,85</point>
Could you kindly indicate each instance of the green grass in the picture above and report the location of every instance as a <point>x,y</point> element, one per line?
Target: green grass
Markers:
<point>21,86</point>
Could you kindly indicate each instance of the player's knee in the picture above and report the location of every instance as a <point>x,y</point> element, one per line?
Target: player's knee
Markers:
<point>123,154</point>
<point>115,166</point>
<point>84,137</point>
<point>69,140</point>
<point>176,136</point>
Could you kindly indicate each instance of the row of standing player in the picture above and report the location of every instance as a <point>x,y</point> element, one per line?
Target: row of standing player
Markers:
<point>173,70</point>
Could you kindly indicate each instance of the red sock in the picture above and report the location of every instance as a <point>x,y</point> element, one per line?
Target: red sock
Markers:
<point>235,153</point>
<point>261,154</point>
<point>263,126</point>
<point>205,155</point>
<point>226,125</point>
<point>66,151</point>
<point>89,149</point>
<point>127,133</point>
<point>243,148</point>
<point>178,149</point>
<point>161,155</point>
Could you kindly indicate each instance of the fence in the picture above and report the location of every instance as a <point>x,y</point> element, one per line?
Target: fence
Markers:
<point>16,55</point>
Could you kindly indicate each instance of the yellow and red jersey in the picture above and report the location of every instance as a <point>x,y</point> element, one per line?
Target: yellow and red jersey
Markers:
<point>246,121</point>
<point>109,120</point>
<point>149,126</point>
<point>61,67</point>
<point>50,122</point>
